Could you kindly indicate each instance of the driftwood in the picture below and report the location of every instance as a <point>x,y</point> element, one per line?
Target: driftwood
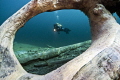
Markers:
<point>27,56</point>
<point>101,61</point>
<point>32,62</point>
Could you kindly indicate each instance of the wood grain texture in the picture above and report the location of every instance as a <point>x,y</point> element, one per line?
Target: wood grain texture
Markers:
<point>100,61</point>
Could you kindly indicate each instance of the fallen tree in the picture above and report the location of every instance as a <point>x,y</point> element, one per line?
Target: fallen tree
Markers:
<point>38,60</point>
<point>100,61</point>
<point>26,56</point>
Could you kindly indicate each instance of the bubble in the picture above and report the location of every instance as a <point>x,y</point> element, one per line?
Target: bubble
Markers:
<point>56,15</point>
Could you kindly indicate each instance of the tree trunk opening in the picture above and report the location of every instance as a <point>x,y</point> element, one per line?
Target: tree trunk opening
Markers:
<point>38,59</point>
<point>100,61</point>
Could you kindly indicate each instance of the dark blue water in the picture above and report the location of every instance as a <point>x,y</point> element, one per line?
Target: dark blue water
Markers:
<point>39,30</point>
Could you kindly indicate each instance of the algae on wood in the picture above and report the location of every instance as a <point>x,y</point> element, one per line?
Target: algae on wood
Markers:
<point>105,42</point>
<point>37,53</point>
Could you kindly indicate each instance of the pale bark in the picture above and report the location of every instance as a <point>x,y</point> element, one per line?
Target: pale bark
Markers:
<point>33,55</point>
<point>100,61</point>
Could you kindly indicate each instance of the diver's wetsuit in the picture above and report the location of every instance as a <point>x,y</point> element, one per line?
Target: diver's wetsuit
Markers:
<point>60,28</point>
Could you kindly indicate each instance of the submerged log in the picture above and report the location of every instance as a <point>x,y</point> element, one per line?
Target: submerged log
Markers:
<point>100,61</point>
<point>26,56</point>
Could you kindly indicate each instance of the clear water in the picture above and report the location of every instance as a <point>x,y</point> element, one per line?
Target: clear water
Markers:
<point>39,30</point>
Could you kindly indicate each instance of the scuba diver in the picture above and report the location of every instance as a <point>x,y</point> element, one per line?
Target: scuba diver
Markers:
<point>58,27</point>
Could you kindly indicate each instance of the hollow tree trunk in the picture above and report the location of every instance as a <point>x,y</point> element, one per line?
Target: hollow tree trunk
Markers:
<point>100,61</point>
